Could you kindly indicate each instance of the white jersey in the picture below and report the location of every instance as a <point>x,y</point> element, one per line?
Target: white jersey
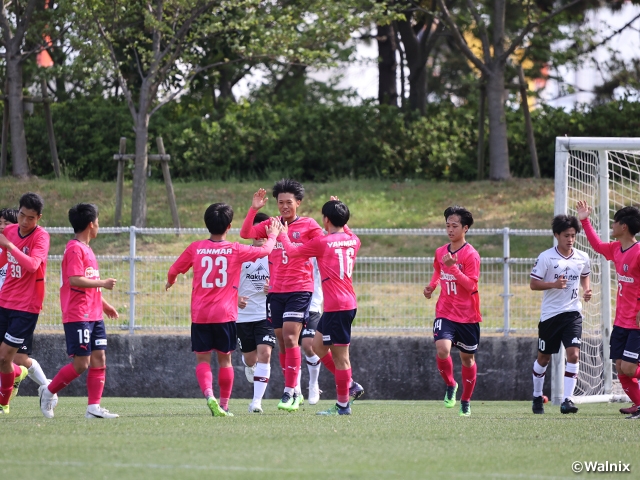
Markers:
<point>3,273</point>
<point>548,267</point>
<point>318,297</point>
<point>252,278</point>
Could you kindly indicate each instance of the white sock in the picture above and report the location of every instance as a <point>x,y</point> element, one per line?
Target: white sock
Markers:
<point>260,380</point>
<point>288,390</point>
<point>538,378</point>
<point>244,362</point>
<point>570,378</point>
<point>298,390</point>
<point>36,374</point>
<point>313,364</point>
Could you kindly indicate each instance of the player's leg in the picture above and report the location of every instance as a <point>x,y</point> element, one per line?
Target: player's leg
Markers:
<point>25,359</point>
<point>224,342</point>
<point>312,359</point>
<point>443,334</point>
<point>539,372</point>
<point>627,368</point>
<point>202,345</point>
<point>550,333</point>
<point>264,337</point>
<point>15,327</point>
<point>571,337</point>
<point>467,340</point>
<point>97,375</point>
<point>247,344</point>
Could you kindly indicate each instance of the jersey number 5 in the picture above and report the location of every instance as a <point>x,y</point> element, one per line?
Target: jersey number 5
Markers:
<point>221,263</point>
<point>345,259</point>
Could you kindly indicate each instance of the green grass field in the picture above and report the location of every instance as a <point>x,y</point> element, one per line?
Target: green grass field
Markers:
<point>169,438</point>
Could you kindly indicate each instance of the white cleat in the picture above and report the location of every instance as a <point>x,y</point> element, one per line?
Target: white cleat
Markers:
<point>255,407</point>
<point>96,411</point>
<point>48,401</point>
<point>249,372</point>
<point>314,394</point>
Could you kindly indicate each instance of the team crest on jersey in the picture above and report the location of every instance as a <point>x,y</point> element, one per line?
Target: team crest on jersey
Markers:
<point>625,267</point>
<point>535,264</point>
<point>25,250</point>
<point>296,235</point>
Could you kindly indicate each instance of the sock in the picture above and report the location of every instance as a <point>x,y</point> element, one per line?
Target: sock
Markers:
<point>36,374</point>
<point>327,361</point>
<point>292,363</point>
<point>630,388</point>
<point>64,377</point>
<point>445,367</point>
<point>538,378</point>
<point>570,379</point>
<point>205,379</point>
<point>313,365</point>
<point>283,362</point>
<point>95,384</point>
<point>343,378</point>
<point>260,380</point>
<point>6,387</point>
<point>469,375</point>
<point>297,390</point>
<point>225,380</point>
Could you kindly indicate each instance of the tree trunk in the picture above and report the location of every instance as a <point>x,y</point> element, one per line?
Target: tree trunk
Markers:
<point>139,194</point>
<point>16,114</point>
<point>387,65</point>
<point>498,146</point>
<point>226,92</point>
<point>418,87</point>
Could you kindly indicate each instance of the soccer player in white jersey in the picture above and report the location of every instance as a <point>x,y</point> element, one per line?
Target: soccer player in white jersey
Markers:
<point>256,337</point>
<point>560,272</point>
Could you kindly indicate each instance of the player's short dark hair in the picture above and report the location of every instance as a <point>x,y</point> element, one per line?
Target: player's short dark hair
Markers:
<point>9,214</point>
<point>81,215</point>
<point>287,185</point>
<point>337,213</point>
<point>218,217</point>
<point>32,201</point>
<point>564,222</point>
<point>260,217</point>
<point>465,215</point>
<point>629,216</point>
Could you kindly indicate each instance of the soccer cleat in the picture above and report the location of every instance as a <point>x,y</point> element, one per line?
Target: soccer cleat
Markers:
<point>450,396</point>
<point>285,402</point>
<point>4,409</point>
<point>629,410</point>
<point>568,407</point>
<point>216,409</point>
<point>314,394</point>
<point>249,372</point>
<point>298,400</point>
<point>538,405</point>
<point>635,416</point>
<point>96,411</point>
<point>16,382</point>
<point>255,407</point>
<point>336,410</point>
<point>355,392</point>
<point>465,409</point>
<point>48,401</point>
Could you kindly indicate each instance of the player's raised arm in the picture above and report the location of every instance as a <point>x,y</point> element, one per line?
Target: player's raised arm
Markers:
<point>247,230</point>
<point>603,248</point>
<point>181,265</point>
<point>251,254</point>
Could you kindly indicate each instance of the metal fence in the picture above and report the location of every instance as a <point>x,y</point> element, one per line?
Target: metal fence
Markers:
<point>389,289</point>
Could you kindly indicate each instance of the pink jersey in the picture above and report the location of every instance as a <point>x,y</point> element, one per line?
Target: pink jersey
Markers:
<point>459,300</point>
<point>80,304</point>
<point>287,274</point>
<point>336,256</point>
<point>627,263</point>
<point>23,288</point>
<point>216,275</point>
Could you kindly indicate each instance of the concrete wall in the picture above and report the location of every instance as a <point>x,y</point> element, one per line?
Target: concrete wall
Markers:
<point>389,367</point>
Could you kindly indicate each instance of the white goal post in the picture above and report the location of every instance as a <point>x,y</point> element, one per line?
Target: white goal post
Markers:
<point>606,173</point>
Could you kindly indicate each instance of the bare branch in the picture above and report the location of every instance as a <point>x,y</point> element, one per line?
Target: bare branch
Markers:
<point>484,36</point>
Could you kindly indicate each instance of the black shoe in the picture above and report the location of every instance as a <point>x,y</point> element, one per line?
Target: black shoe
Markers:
<point>538,405</point>
<point>635,416</point>
<point>568,407</point>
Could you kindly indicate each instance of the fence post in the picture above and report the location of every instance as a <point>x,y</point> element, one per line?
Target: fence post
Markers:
<point>506,274</point>
<point>132,279</point>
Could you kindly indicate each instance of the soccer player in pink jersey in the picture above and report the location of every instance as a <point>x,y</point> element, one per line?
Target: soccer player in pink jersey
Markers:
<point>9,216</point>
<point>83,309</point>
<point>24,246</point>
<point>624,343</point>
<point>290,282</point>
<point>216,266</point>
<point>336,254</point>
<point>456,268</point>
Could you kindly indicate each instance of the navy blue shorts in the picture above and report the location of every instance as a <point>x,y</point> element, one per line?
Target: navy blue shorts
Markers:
<point>206,337</point>
<point>464,336</point>
<point>27,346</point>
<point>624,344</point>
<point>16,327</point>
<point>288,307</point>
<point>565,328</point>
<point>252,334</point>
<point>335,327</point>
<point>84,337</point>
<point>310,326</point>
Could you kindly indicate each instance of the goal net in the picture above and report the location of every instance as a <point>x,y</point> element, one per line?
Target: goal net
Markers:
<point>606,173</point>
